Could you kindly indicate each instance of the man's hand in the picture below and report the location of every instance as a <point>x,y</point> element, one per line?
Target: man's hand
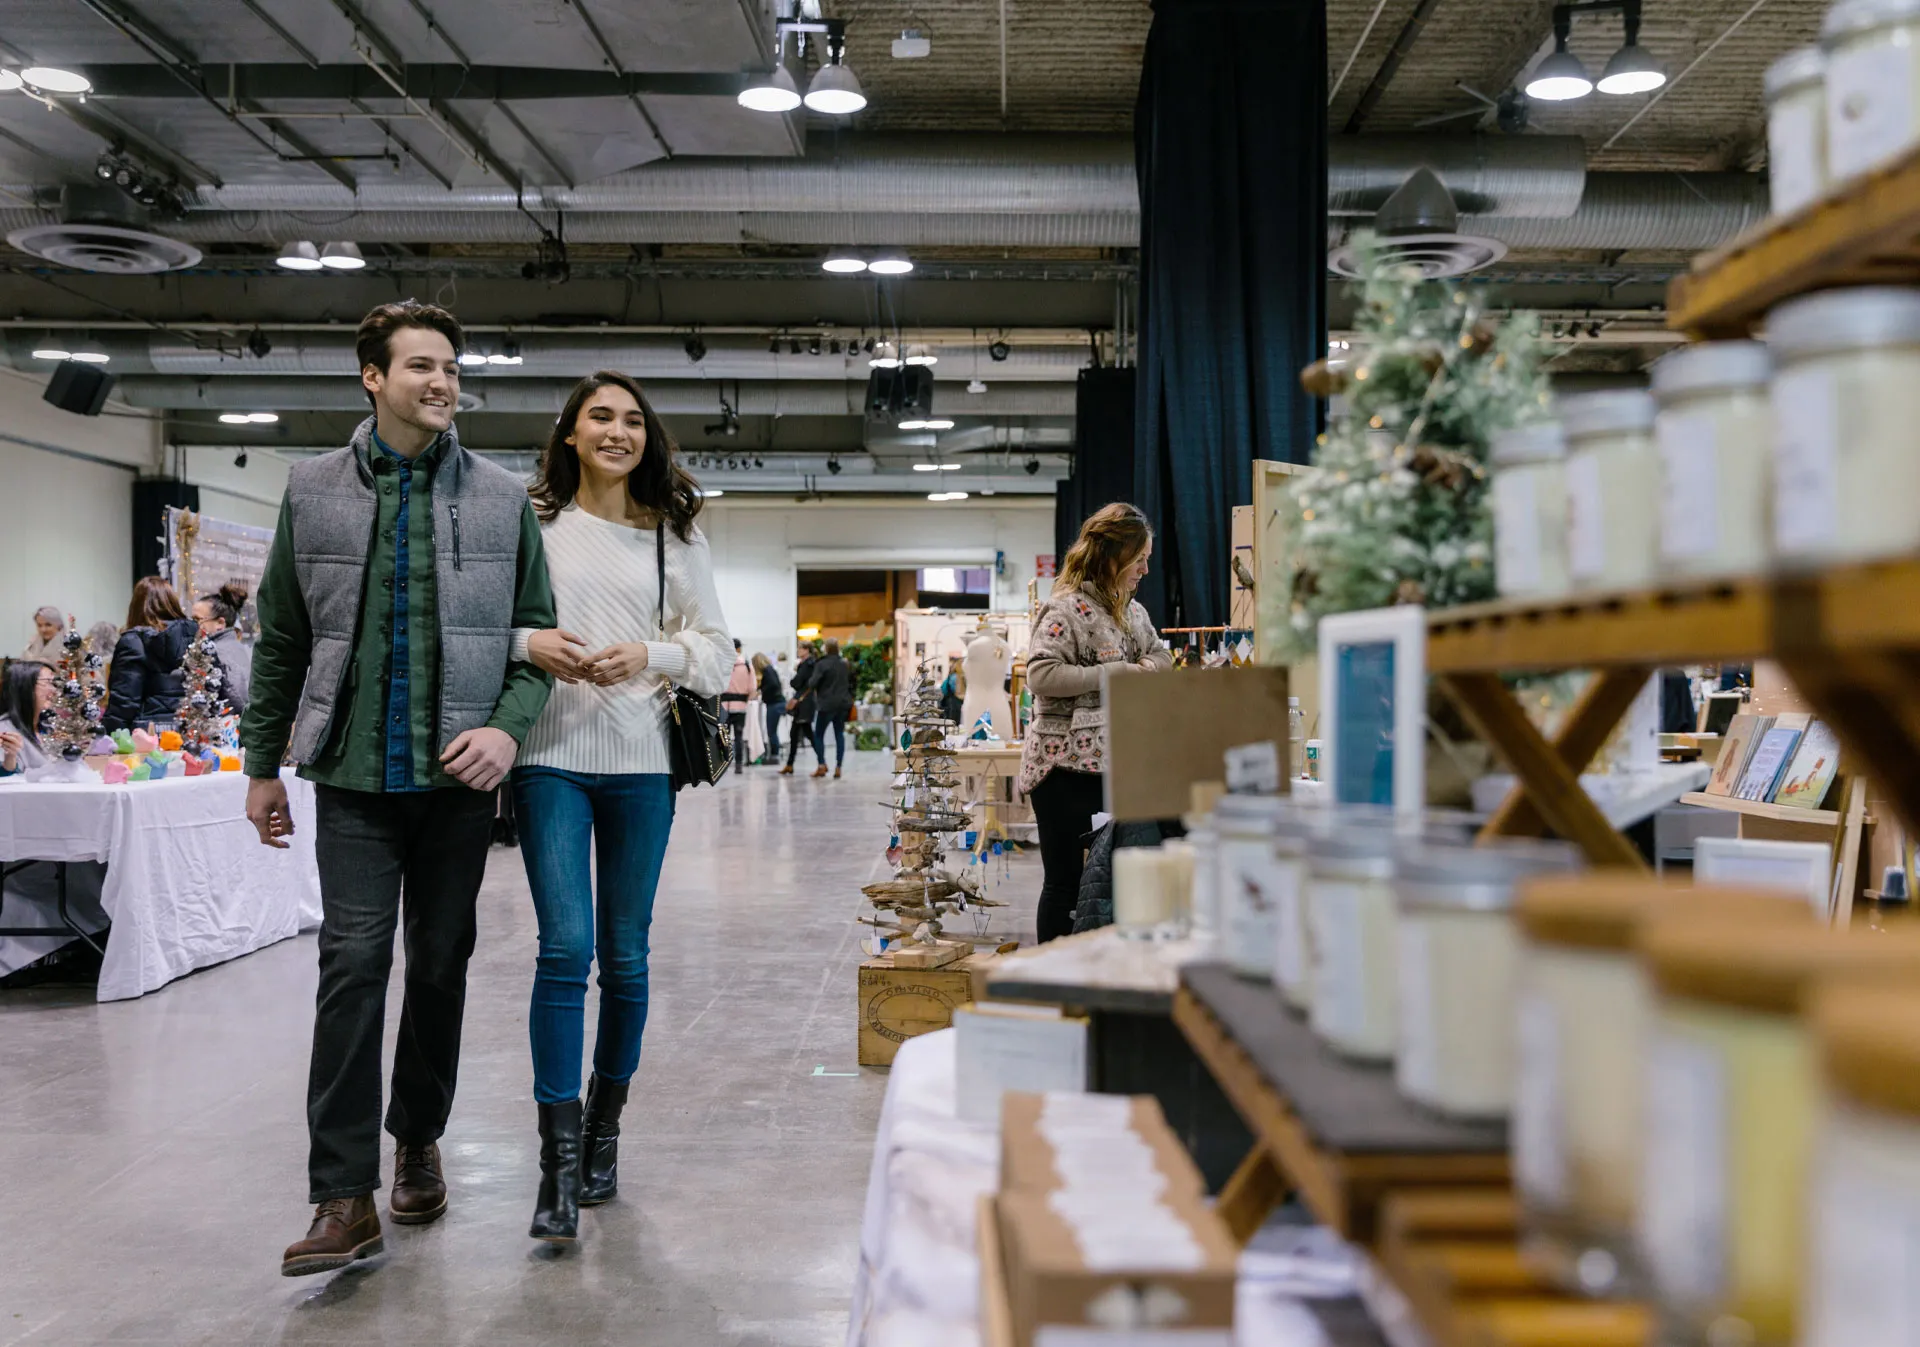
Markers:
<point>617,663</point>
<point>481,758</point>
<point>268,811</point>
<point>553,651</point>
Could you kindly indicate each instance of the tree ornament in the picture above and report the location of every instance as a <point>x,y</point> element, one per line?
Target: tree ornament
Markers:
<point>73,721</point>
<point>200,704</point>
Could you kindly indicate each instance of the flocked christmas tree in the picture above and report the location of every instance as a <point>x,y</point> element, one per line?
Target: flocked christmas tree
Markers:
<point>76,712</point>
<point>1394,509</point>
<point>201,702</point>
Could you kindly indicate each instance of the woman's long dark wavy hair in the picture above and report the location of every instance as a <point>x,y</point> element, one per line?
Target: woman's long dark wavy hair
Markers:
<point>19,681</point>
<point>658,483</point>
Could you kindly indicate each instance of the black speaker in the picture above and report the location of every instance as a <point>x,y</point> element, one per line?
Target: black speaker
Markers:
<point>77,386</point>
<point>899,394</point>
<point>151,497</point>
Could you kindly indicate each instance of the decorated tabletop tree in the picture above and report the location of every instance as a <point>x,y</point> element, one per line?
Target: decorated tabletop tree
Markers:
<point>77,711</point>
<point>1394,509</point>
<point>201,702</point>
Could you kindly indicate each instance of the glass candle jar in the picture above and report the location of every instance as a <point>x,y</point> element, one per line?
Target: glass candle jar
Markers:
<point>1350,924</point>
<point>1203,903</point>
<point>1729,1087</point>
<point>1292,950</point>
<point>1872,83</point>
<point>1714,431</point>
<point>1458,952</point>
<point>1613,472</point>
<point>1581,1015</point>
<point>1846,398</point>
<point>1249,881</point>
<point>1863,1241</point>
<point>1530,511</point>
<point>1796,129</point>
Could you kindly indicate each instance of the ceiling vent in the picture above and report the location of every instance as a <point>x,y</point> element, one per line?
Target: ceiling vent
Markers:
<point>1419,226</point>
<point>101,230</point>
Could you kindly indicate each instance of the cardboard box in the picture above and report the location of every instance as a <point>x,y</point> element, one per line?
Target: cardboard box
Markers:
<point>1026,1156</point>
<point>1050,1283</point>
<point>896,1004</point>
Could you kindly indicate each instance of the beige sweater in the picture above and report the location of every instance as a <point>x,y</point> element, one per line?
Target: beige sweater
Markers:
<point>1073,637</point>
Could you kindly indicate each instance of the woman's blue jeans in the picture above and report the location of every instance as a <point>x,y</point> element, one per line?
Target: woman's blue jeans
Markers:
<point>620,825</point>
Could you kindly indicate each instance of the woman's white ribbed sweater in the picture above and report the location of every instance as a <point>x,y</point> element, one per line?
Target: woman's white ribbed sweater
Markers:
<point>606,591</point>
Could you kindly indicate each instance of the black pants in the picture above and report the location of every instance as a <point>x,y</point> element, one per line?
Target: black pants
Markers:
<point>737,718</point>
<point>803,730</point>
<point>774,712</point>
<point>838,720</point>
<point>1064,804</point>
<point>431,845</point>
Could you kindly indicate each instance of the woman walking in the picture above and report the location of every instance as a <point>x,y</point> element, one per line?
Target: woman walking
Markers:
<point>800,707</point>
<point>832,704</point>
<point>1090,623</point>
<point>773,698</point>
<point>594,780</point>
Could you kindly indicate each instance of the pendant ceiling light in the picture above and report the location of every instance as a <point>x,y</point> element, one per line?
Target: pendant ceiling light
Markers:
<point>885,356</point>
<point>1560,77</point>
<point>342,257</point>
<point>1631,70</point>
<point>890,264</point>
<point>300,256</point>
<point>773,91</point>
<point>836,90</point>
<point>54,80</point>
<point>844,262</point>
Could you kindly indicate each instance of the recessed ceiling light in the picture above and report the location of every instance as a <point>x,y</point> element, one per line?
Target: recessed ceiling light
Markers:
<point>10,80</point>
<point>951,467</point>
<point>835,91</point>
<point>91,357</point>
<point>773,91</point>
<point>300,256</point>
<point>53,80</point>
<point>1560,77</point>
<point>926,467</point>
<point>52,353</point>
<point>890,264</point>
<point>342,257</point>
<point>915,424</point>
<point>264,418</point>
<point>842,262</point>
<point>471,358</point>
<point>947,495</point>
<point>234,418</point>
<point>500,358</point>
<point>936,423</point>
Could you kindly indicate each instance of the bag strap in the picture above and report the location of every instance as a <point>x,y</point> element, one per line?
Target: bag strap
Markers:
<point>660,566</point>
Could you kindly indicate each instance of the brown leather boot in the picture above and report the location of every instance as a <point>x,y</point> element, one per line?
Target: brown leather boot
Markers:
<point>345,1229</point>
<point>419,1186</point>
<point>787,770</point>
<point>819,771</point>
<point>836,774</point>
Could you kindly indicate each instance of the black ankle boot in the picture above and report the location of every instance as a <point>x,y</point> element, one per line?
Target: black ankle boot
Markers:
<point>556,1212</point>
<point>601,1141</point>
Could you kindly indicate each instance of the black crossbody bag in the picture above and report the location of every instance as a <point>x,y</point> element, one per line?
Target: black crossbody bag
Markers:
<point>698,745</point>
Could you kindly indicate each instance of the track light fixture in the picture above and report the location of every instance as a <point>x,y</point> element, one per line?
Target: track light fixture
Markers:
<point>833,464</point>
<point>1561,76</point>
<point>240,459</point>
<point>696,349</point>
<point>998,350</point>
<point>153,187</point>
<point>1033,467</point>
<point>793,346</point>
<point>813,345</point>
<point>259,344</point>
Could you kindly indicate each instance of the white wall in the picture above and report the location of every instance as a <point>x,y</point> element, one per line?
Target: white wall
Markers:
<point>760,545</point>
<point>66,523</point>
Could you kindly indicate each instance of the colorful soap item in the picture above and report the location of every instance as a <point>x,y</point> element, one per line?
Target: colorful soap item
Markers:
<point>141,773</point>
<point>102,747</point>
<point>229,764</point>
<point>193,766</point>
<point>122,741</point>
<point>144,742</point>
<point>170,741</point>
<point>115,773</point>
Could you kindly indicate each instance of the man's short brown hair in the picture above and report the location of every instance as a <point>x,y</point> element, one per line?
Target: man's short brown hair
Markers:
<point>373,344</point>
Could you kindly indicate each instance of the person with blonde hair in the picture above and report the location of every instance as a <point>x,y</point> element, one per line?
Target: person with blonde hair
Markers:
<point>1090,624</point>
<point>49,625</point>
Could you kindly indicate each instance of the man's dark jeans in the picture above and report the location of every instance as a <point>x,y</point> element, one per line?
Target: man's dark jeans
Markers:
<point>370,846</point>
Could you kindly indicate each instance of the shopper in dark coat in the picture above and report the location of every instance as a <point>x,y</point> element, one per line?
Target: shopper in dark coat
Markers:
<point>832,704</point>
<point>774,698</point>
<point>145,681</point>
<point>800,707</point>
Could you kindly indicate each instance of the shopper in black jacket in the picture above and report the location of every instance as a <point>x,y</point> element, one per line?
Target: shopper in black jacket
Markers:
<point>832,704</point>
<point>773,697</point>
<point>800,707</point>
<point>145,682</point>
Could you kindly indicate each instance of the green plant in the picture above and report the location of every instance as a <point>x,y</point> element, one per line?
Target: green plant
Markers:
<point>872,664</point>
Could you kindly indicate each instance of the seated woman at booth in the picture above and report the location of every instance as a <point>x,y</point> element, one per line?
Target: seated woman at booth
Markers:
<point>26,694</point>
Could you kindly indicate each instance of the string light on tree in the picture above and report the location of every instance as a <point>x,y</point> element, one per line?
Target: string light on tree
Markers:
<point>201,703</point>
<point>77,700</point>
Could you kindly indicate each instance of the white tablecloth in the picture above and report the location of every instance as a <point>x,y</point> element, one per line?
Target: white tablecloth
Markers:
<point>188,883</point>
<point>918,1284</point>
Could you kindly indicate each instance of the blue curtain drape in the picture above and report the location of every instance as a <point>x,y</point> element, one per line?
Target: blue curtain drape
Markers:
<point>1103,406</point>
<point>1230,144</point>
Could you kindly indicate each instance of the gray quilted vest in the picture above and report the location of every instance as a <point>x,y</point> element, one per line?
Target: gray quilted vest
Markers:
<point>476,544</point>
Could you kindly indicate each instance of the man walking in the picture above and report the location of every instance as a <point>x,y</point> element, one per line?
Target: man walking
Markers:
<point>399,569</point>
<point>832,704</point>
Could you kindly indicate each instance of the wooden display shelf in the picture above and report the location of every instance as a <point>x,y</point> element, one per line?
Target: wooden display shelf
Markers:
<point>1688,624</point>
<point>1865,232</point>
<point>996,1310</point>
<point>1337,1132</point>
<point>1775,813</point>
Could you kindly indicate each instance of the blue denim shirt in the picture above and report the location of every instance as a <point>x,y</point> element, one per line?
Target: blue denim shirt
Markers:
<point>399,719</point>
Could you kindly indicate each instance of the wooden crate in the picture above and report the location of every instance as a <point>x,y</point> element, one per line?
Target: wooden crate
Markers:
<point>896,1004</point>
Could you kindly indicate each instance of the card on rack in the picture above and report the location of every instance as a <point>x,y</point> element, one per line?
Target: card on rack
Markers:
<point>1814,766</point>
<point>1769,761</point>
<point>1743,736</point>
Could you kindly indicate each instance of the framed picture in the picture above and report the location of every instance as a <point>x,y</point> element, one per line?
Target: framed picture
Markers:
<point>1373,707</point>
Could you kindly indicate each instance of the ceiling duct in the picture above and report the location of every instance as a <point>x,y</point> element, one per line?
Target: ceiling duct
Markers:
<point>98,229</point>
<point>1518,177</point>
<point>1419,227</point>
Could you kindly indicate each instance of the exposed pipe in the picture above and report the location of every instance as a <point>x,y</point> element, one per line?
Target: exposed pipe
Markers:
<point>1687,212</point>
<point>1514,176</point>
<point>1390,66</point>
<point>680,397</point>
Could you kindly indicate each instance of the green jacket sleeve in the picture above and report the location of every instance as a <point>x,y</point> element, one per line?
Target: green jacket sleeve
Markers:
<point>528,686</point>
<point>281,654</point>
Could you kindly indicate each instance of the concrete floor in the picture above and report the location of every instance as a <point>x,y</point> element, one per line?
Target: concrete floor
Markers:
<point>152,1152</point>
